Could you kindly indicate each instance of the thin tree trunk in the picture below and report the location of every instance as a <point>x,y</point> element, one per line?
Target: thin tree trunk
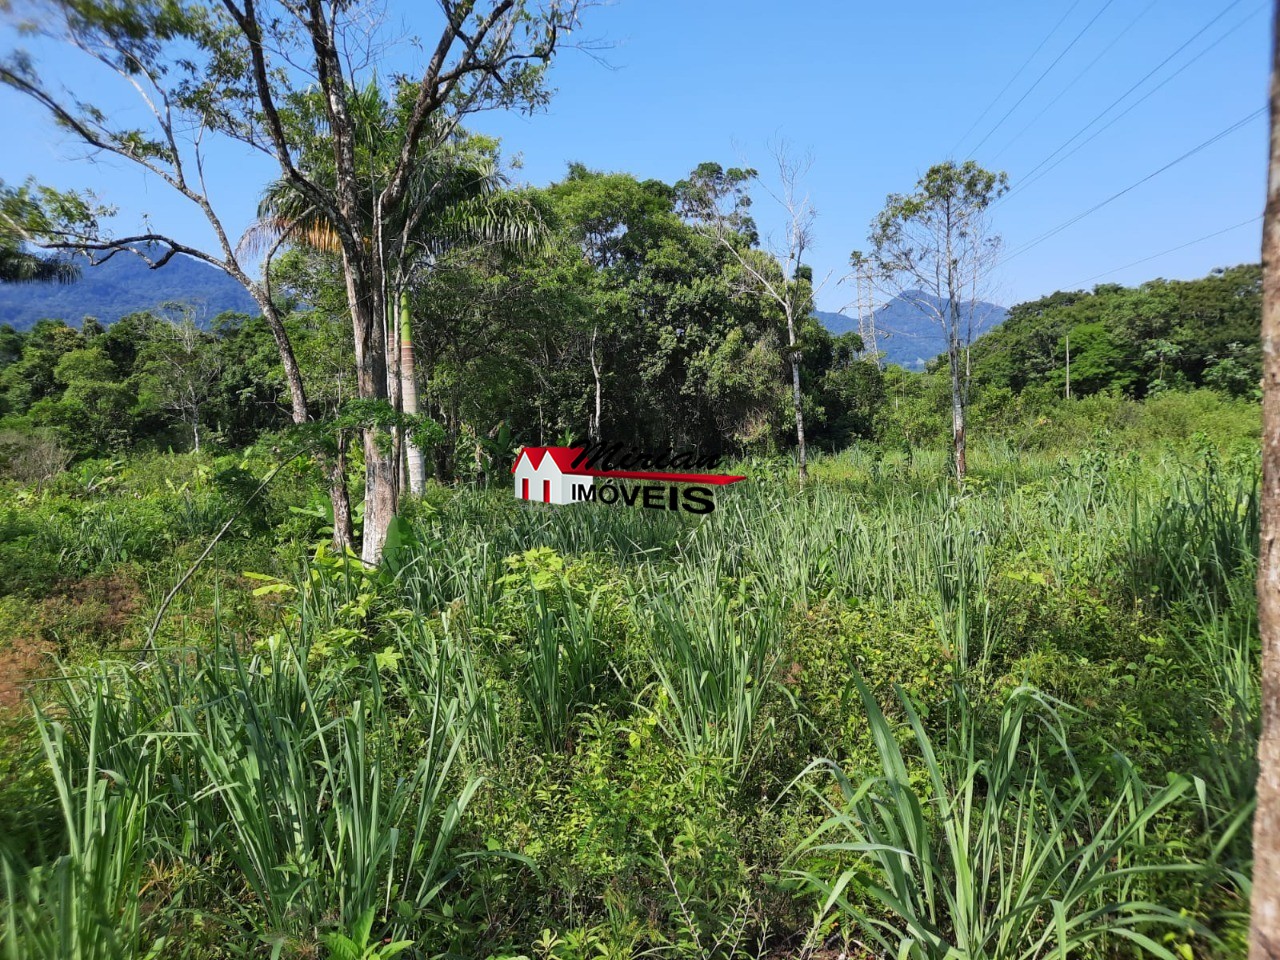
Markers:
<point>195,432</point>
<point>336,469</point>
<point>340,497</point>
<point>593,428</point>
<point>409,396</point>
<point>292,373</point>
<point>1068,364</point>
<point>797,398</point>
<point>957,412</point>
<point>395,384</point>
<point>958,386</point>
<point>1264,933</point>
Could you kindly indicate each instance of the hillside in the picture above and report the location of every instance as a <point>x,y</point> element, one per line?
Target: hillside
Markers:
<point>124,285</point>
<point>910,337</point>
<point>1135,340</point>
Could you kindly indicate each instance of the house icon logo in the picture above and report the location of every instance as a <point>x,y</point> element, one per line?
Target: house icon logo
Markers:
<point>547,475</point>
<point>607,473</point>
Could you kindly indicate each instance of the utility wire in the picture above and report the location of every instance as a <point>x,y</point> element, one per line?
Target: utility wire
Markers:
<point>1078,77</point>
<point>1116,196</point>
<point>1026,182</point>
<point>1047,70</point>
<point>1162,253</point>
<point>1005,89</point>
<point>1118,100</point>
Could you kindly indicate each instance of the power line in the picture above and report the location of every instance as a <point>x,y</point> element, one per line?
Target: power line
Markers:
<point>1162,253</point>
<point>1116,196</point>
<point>1026,182</point>
<point>1118,100</point>
<point>1026,63</point>
<point>1079,76</point>
<point>1047,70</point>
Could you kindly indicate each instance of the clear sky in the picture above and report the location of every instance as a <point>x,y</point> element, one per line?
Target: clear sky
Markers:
<point>876,92</point>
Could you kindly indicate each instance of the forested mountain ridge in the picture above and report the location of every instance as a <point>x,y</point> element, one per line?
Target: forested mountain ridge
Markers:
<point>125,285</point>
<point>1159,335</point>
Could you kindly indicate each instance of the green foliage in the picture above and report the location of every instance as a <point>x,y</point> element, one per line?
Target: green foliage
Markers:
<point>713,655</point>
<point>358,946</point>
<point>1004,850</point>
<point>1136,340</point>
<point>606,707</point>
<point>85,904</point>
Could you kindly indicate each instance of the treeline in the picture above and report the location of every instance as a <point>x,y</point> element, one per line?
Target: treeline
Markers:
<point>1162,335</point>
<point>629,317</point>
<point>146,379</point>
<point>626,319</point>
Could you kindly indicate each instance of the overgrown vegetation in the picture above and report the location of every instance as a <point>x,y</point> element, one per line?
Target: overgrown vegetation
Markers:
<point>877,714</point>
<point>979,681</point>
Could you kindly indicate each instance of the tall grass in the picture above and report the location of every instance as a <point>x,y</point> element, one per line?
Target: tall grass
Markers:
<point>317,791</point>
<point>86,904</point>
<point>290,785</point>
<point>713,653</point>
<point>1193,542</point>
<point>562,665</point>
<point>1005,852</point>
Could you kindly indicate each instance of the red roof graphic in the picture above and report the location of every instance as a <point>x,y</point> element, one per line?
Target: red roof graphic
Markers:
<point>563,458</point>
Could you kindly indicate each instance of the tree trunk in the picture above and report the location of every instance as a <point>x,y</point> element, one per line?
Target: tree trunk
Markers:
<point>195,432</point>
<point>1068,364</point>
<point>797,398</point>
<point>395,383</point>
<point>409,397</point>
<point>593,427</point>
<point>340,497</point>
<point>380,499</point>
<point>959,386</point>
<point>368,322</point>
<point>957,412</point>
<point>1264,933</point>
<point>292,374</point>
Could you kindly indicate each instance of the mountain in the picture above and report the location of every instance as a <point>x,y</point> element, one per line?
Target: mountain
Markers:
<point>124,285</point>
<point>909,336</point>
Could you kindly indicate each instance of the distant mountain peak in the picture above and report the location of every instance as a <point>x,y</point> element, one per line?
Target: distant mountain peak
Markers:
<point>909,334</point>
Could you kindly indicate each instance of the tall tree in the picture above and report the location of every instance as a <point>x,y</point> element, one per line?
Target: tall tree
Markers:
<point>239,69</point>
<point>932,247</point>
<point>612,222</point>
<point>457,199</point>
<point>718,198</point>
<point>1264,933</point>
<point>182,366</point>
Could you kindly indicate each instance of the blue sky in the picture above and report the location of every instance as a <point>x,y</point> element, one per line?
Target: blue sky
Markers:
<point>876,93</point>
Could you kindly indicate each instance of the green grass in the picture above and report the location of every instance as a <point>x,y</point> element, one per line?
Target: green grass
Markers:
<point>571,732</point>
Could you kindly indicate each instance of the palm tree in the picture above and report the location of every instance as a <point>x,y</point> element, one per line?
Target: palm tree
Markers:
<point>457,200</point>
<point>18,266</point>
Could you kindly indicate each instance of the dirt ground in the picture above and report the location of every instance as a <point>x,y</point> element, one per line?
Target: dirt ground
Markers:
<point>95,611</point>
<point>21,661</point>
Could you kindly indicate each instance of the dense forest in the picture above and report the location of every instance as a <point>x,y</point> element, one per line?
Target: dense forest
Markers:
<point>1161,335</point>
<point>625,298</point>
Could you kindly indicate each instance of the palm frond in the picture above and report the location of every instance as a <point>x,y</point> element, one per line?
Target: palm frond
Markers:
<point>18,266</point>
